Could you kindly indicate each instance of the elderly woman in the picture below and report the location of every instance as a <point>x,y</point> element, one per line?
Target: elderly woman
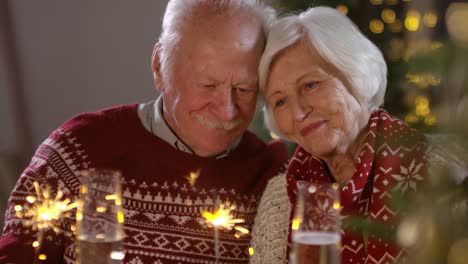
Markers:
<point>323,83</point>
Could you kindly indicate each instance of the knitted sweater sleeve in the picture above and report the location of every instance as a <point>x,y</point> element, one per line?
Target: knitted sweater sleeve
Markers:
<point>270,231</point>
<point>50,166</point>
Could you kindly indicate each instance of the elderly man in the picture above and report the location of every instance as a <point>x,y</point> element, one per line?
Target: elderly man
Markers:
<point>205,65</point>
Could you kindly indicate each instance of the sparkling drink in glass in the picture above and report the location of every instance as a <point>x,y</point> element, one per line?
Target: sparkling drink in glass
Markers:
<point>316,224</point>
<point>100,218</point>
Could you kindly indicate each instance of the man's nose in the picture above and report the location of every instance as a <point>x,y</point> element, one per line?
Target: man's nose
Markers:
<point>226,105</point>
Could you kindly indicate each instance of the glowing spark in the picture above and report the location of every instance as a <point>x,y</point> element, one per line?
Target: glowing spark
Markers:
<point>296,223</point>
<point>44,212</point>
<point>192,177</point>
<point>120,216</point>
<point>222,218</point>
<point>111,197</point>
<point>241,229</point>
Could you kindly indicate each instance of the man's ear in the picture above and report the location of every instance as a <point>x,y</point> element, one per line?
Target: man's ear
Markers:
<point>156,67</point>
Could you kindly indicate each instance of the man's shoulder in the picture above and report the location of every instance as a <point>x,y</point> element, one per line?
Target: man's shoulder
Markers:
<point>101,119</point>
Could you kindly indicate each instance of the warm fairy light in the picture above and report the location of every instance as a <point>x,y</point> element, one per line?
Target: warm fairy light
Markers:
<point>388,15</point>
<point>100,209</point>
<point>412,20</point>
<point>422,106</point>
<point>376,2</point>
<point>222,218</point>
<point>193,177</point>
<point>35,244</point>
<point>456,20</point>
<point>42,257</point>
<point>100,236</point>
<point>342,9</point>
<point>411,118</point>
<point>43,211</point>
<point>423,80</point>
<point>376,26</point>
<point>430,120</point>
<point>430,19</point>
<point>251,251</point>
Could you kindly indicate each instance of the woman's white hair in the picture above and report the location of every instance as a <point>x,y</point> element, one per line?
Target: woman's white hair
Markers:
<point>340,43</point>
<point>178,12</point>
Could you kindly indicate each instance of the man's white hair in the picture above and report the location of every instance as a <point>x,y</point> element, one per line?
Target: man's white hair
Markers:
<point>340,43</point>
<point>178,12</point>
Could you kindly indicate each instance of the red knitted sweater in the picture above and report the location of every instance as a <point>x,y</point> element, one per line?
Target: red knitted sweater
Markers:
<point>163,223</point>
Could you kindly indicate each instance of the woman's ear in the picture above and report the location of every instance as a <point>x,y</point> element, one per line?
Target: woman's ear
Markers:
<point>156,67</point>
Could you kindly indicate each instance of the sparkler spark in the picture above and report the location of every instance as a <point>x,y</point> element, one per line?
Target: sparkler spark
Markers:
<point>193,177</point>
<point>222,218</point>
<point>42,211</point>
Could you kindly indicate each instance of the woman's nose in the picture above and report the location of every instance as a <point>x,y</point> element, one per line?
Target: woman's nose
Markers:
<point>301,110</point>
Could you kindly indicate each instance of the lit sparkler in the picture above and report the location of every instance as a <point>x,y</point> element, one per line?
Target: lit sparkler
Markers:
<point>44,212</point>
<point>223,218</point>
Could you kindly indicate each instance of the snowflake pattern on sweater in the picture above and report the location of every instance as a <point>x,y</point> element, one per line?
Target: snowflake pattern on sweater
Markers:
<point>163,222</point>
<point>392,159</point>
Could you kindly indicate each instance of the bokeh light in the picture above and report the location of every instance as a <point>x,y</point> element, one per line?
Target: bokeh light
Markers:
<point>388,15</point>
<point>412,20</point>
<point>342,9</point>
<point>430,19</point>
<point>376,26</point>
<point>457,19</point>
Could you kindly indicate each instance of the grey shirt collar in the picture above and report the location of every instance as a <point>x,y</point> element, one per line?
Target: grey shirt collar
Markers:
<point>151,116</point>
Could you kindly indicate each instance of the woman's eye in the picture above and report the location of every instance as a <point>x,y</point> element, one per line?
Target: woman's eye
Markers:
<point>280,102</point>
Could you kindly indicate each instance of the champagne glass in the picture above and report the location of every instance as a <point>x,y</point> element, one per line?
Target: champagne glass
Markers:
<point>316,224</point>
<point>100,218</point>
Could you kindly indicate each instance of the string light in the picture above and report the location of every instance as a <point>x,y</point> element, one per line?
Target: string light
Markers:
<point>430,19</point>
<point>422,106</point>
<point>376,26</point>
<point>412,20</point>
<point>388,15</point>
<point>342,9</point>
<point>423,80</point>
